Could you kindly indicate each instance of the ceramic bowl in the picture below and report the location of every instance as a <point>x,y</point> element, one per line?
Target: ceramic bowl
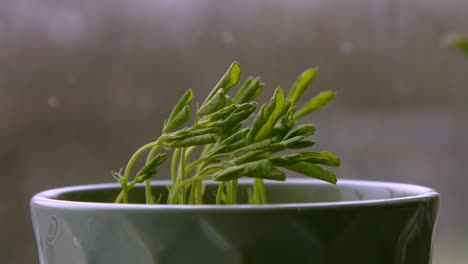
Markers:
<point>306,221</point>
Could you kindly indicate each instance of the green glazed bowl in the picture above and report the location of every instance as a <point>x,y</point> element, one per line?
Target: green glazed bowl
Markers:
<point>306,222</point>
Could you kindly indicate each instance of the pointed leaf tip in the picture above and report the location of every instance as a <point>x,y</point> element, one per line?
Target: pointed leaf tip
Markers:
<point>319,101</point>
<point>301,85</point>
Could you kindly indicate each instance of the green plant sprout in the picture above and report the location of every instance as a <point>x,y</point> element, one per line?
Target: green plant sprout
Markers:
<point>458,42</point>
<point>230,148</point>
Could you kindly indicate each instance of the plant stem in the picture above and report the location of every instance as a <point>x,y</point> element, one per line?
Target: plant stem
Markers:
<point>189,151</point>
<point>121,195</point>
<point>175,159</point>
<point>202,175</point>
<point>136,155</point>
<point>196,195</point>
<point>193,189</point>
<point>151,154</point>
<point>203,153</point>
<point>182,160</point>
<point>125,186</point>
<point>260,189</point>
<point>125,193</point>
<point>233,191</point>
<point>219,193</point>
<point>200,161</point>
<point>176,188</point>
<point>199,193</point>
<point>181,175</point>
<point>148,194</point>
<point>148,191</point>
<point>255,197</point>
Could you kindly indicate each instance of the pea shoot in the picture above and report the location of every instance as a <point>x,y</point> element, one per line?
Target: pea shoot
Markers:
<point>458,42</point>
<point>231,147</point>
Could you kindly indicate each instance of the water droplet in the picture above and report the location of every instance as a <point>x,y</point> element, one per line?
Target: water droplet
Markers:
<point>346,47</point>
<point>227,37</point>
<point>53,101</point>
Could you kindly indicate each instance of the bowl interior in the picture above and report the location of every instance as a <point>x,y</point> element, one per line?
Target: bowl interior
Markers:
<point>293,191</point>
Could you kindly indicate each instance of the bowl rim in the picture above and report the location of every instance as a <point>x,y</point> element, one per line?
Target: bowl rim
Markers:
<point>421,194</point>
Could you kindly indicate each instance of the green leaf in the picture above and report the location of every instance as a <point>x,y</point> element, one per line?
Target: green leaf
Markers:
<point>177,121</point>
<point>229,148</point>
<point>258,169</point>
<point>243,88</point>
<point>301,144</point>
<point>257,124</point>
<point>285,144</point>
<point>302,130</point>
<point>458,42</point>
<point>186,133</point>
<point>229,80</point>
<point>313,171</point>
<point>324,158</point>
<point>246,107</point>
<point>180,106</point>
<point>229,131</point>
<point>117,175</point>
<point>251,89</point>
<point>229,173</point>
<point>235,137</point>
<point>150,168</point>
<point>282,145</point>
<point>286,123</point>
<point>223,113</point>
<point>299,87</point>
<point>271,145</point>
<point>193,141</point>
<point>249,156</point>
<point>143,177</point>
<point>263,169</point>
<point>260,145</point>
<point>232,77</point>
<point>316,103</point>
<point>243,112</point>
<point>217,102</point>
<point>277,108</point>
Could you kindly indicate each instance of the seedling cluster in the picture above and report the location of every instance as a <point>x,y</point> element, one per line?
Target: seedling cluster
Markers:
<point>230,146</point>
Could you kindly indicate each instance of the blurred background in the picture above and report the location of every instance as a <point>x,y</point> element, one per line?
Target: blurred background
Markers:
<point>85,83</point>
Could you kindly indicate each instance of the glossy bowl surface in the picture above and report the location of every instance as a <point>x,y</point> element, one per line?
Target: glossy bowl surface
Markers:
<point>306,221</point>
